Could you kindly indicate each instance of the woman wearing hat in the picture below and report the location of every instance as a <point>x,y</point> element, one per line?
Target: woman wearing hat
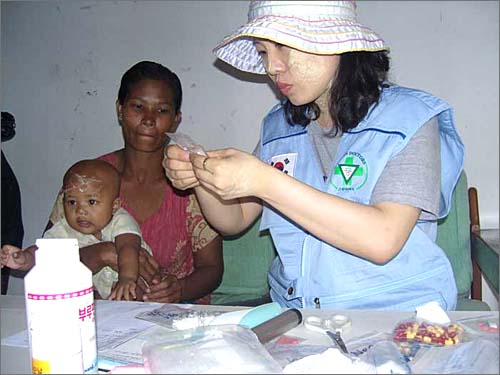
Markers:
<point>352,171</point>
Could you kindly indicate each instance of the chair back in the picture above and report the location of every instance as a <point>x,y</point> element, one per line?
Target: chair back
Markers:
<point>247,258</point>
<point>453,236</point>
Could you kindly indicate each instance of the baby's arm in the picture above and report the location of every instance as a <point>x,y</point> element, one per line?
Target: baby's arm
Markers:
<point>127,247</point>
<point>17,259</point>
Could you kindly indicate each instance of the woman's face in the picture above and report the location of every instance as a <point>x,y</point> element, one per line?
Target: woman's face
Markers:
<point>301,77</point>
<point>147,113</point>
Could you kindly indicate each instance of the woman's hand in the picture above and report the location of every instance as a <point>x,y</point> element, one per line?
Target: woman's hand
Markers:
<point>165,289</point>
<point>148,268</point>
<point>15,258</point>
<point>230,173</point>
<point>178,168</point>
<point>99,255</point>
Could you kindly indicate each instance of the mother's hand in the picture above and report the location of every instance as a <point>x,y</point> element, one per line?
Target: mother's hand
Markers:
<point>230,173</point>
<point>165,289</point>
<point>148,268</point>
<point>99,255</point>
<point>178,168</point>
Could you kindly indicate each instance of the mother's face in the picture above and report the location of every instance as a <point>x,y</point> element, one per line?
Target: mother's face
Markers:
<point>146,114</point>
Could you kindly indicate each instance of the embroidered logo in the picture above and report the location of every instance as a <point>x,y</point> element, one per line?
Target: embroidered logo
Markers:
<point>350,173</point>
<point>285,163</point>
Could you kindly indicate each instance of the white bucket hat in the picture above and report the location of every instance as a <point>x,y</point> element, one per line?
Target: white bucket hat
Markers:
<point>319,27</point>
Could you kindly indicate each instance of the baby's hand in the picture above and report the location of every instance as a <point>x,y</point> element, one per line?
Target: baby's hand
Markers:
<point>15,258</point>
<point>124,289</point>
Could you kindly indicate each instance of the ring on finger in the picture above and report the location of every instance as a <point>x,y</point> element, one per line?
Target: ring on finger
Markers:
<point>205,163</point>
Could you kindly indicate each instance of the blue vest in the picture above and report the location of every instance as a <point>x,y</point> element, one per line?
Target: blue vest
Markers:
<point>308,271</point>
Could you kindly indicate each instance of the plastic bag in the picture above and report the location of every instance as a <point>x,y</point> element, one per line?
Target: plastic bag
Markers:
<point>472,357</point>
<point>486,326</point>
<point>225,349</point>
<point>185,142</point>
<point>427,333</point>
<point>386,358</point>
<point>175,317</point>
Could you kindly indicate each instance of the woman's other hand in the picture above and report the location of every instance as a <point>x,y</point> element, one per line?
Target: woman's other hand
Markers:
<point>99,255</point>
<point>148,268</point>
<point>230,173</point>
<point>15,258</point>
<point>178,168</point>
<point>165,289</point>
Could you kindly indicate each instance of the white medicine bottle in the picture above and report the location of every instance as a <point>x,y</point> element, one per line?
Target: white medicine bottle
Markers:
<point>60,310</point>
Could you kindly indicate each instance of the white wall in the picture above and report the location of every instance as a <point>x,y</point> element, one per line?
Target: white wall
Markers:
<point>61,62</point>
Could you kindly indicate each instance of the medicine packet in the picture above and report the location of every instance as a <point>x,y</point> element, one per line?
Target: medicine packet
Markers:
<point>179,318</point>
<point>185,142</point>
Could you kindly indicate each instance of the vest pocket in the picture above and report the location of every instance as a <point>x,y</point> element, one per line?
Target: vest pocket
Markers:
<point>287,290</point>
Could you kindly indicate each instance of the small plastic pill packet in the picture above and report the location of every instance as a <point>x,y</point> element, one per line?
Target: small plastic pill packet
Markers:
<point>413,334</point>
<point>462,346</point>
<point>481,325</point>
<point>428,333</point>
<point>185,142</point>
<point>178,318</point>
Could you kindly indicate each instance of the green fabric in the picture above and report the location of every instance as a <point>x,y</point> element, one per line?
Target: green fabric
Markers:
<point>454,237</point>
<point>247,258</point>
<point>467,304</point>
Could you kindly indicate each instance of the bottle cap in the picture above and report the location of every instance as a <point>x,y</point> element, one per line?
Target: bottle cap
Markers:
<point>56,251</point>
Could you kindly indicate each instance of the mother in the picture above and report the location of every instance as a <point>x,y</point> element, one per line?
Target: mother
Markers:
<point>187,254</point>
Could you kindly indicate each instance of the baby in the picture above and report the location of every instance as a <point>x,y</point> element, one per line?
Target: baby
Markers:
<point>92,214</point>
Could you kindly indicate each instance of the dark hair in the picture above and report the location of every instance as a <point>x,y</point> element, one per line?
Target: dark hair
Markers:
<point>8,126</point>
<point>154,71</point>
<point>357,86</point>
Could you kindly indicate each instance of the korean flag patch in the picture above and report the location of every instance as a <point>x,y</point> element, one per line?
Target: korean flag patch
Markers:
<point>285,163</point>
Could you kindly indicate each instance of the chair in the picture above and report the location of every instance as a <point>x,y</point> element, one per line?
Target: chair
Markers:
<point>247,258</point>
<point>470,256</point>
<point>484,258</point>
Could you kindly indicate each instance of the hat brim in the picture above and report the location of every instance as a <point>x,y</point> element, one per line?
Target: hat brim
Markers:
<point>322,37</point>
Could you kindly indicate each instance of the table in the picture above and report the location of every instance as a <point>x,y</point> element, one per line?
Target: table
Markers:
<point>15,360</point>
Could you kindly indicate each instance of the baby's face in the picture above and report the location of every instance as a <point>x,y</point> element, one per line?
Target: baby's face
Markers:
<point>88,205</point>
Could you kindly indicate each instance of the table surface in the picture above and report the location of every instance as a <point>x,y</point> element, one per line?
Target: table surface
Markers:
<point>15,360</point>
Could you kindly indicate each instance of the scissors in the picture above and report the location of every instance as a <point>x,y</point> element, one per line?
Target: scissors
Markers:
<point>332,326</point>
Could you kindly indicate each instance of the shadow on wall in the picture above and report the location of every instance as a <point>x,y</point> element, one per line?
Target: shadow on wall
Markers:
<point>246,76</point>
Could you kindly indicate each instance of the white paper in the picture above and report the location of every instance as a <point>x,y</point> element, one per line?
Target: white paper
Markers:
<point>433,313</point>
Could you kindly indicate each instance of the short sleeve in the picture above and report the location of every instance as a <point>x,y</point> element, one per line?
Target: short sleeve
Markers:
<point>122,223</point>
<point>412,177</point>
<point>201,232</point>
<point>58,230</point>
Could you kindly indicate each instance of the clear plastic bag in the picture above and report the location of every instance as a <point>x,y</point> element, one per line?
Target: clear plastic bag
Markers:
<point>386,358</point>
<point>412,335</point>
<point>427,333</point>
<point>225,349</point>
<point>175,317</point>
<point>473,357</point>
<point>185,142</point>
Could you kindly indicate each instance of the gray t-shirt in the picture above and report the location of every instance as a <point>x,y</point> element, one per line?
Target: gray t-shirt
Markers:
<point>411,177</point>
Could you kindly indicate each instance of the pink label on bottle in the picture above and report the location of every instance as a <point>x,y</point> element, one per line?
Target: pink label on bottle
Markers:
<point>51,297</point>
